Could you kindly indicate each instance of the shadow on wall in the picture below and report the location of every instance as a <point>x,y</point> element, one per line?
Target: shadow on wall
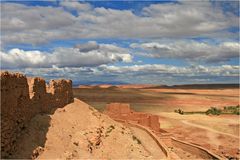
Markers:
<point>33,138</point>
<point>23,99</point>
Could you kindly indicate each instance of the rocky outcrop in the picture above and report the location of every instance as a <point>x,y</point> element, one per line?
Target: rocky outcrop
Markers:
<point>122,111</point>
<point>22,98</point>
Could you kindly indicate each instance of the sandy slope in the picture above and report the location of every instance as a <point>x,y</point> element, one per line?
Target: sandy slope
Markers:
<point>148,142</point>
<point>79,131</point>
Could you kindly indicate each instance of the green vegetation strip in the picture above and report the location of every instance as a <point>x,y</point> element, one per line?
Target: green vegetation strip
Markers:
<point>213,111</point>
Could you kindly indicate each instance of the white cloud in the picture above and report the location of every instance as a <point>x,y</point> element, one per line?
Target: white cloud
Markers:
<point>37,24</point>
<point>148,73</point>
<point>22,24</point>
<point>33,25</point>
<point>91,45</point>
<point>74,5</point>
<point>188,71</point>
<point>66,57</point>
<point>16,17</point>
<point>190,50</point>
<point>20,58</point>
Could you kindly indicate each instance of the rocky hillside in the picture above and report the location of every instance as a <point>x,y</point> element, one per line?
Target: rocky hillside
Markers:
<point>80,131</point>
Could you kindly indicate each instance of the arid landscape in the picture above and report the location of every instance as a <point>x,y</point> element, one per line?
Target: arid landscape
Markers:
<point>220,134</point>
<point>120,80</point>
<point>46,121</point>
<point>154,100</point>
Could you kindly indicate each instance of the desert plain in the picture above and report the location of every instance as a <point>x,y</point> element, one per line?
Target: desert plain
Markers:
<point>218,133</point>
<point>53,120</point>
<point>131,79</point>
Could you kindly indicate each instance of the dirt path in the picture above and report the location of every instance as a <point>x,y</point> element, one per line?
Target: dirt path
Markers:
<point>208,129</point>
<point>147,142</point>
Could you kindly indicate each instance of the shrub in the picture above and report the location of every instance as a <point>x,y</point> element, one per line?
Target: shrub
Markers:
<point>232,109</point>
<point>237,112</point>
<point>214,111</point>
<point>179,111</point>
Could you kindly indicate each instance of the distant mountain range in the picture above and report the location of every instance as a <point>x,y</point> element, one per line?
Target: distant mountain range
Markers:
<point>76,83</point>
<point>197,86</point>
<point>149,86</point>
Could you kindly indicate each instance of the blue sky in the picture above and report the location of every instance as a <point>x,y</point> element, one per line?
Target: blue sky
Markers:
<point>157,42</point>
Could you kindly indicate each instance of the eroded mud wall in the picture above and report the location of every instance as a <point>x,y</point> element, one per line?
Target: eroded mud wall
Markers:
<point>124,112</point>
<point>22,98</point>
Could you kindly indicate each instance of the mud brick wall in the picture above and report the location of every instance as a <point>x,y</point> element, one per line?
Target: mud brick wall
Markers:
<point>22,98</point>
<point>119,108</point>
<point>61,91</point>
<point>154,122</point>
<point>151,121</point>
<point>14,109</point>
<point>37,93</point>
<point>124,112</point>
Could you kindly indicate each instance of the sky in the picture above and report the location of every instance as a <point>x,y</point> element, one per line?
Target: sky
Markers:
<point>122,42</point>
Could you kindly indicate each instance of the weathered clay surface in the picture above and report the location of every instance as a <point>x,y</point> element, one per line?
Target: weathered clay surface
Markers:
<point>124,112</point>
<point>22,98</point>
<point>78,131</point>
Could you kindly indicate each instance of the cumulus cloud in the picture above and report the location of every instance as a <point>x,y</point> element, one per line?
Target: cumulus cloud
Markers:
<point>33,25</point>
<point>147,73</point>
<point>170,74</point>
<point>25,24</point>
<point>83,55</point>
<point>223,70</point>
<point>74,5</point>
<point>38,24</point>
<point>191,50</point>
<point>92,45</point>
<point>20,58</point>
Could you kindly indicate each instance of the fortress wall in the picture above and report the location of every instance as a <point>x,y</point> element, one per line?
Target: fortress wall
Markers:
<point>154,122</point>
<point>124,112</point>
<point>14,107</point>
<point>122,108</point>
<point>144,121</point>
<point>22,98</point>
<point>61,91</point>
<point>37,93</point>
<point>136,116</point>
